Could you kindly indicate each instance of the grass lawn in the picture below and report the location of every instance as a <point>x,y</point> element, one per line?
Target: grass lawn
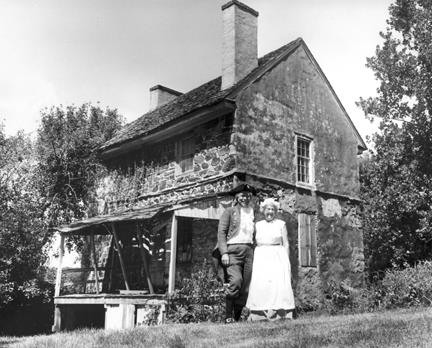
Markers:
<point>402,328</point>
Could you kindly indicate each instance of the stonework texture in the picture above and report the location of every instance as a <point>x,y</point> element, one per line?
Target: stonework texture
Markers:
<point>291,99</point>
<point>239,45</point>
<point>154,179</point>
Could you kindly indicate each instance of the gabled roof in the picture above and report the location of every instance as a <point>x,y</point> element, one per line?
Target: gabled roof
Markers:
<point>207,95</point>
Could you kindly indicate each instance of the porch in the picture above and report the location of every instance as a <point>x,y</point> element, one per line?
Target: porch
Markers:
<point>135,261</point>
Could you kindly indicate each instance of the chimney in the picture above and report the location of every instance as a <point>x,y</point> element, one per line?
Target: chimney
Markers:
<point>239,46</point>
<point>160,95</point>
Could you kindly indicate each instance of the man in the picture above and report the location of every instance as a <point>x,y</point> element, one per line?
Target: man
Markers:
<point>235,250</point>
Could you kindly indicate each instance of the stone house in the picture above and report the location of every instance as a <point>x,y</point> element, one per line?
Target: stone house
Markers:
<point>274,122</point>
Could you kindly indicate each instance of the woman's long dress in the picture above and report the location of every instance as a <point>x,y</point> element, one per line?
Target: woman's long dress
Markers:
<point>270,288</point>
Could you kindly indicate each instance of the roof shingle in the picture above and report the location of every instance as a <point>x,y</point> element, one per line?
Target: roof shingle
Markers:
<point>207,94</point>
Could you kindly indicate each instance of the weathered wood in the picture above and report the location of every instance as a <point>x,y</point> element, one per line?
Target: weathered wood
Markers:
<point>57,319</point>
<point>59,268</point>
<point>144,259</point>
<point>213,213</point>
<point>80,269</point>
<point>93,251</point>
<point>110,283</point>
<point>119,252</point>
<point>110,299</point>
<point>173,256</point>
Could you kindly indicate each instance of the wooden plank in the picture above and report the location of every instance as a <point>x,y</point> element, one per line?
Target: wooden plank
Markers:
<point>314,241</point>
<point>108,300</point>
<point>122,265</point>
<point>128,315</point>
<point>213,213</point>
<point>113,317</point>
<point>173,255</point>
<point>95,268</point>
<point>57,319</point>
<point>80,269</point>
<point>144,259</point>
<point>59,268</point>
<point>111,274</point>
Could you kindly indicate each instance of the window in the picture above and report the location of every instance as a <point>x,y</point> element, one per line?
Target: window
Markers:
<point>167,152</point>
<point>186,151</point>
<point>304,160</point>
<point>307,240</point>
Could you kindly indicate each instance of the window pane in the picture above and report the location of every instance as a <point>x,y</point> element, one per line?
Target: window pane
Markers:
<point>303,160</point>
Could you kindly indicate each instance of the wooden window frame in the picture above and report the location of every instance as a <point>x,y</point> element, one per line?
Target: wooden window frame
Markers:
<point>307,156</point>
<point>307,240</point>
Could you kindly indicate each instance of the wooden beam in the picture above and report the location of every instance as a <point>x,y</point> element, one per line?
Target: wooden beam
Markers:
<point>173,256</point>
<point>122,265</point>
<point>95,268</point>
<point>144,259</point>
<point>59,267</point>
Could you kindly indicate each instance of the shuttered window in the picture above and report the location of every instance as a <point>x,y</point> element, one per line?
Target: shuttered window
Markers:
<point>307,240</point>
<point>186,154</point>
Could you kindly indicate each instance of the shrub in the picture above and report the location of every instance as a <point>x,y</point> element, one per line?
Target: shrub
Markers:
<point>341,298</point>
<point>199,298</point>
<point>411,286</point>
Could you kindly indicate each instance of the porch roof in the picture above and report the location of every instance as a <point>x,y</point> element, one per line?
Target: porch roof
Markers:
<point>95,224</point>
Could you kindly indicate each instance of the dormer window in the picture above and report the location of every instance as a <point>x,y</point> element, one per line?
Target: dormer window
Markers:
<point>304,159</point>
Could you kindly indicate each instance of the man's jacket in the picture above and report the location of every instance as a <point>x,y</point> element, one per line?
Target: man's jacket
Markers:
<point>229,223</point>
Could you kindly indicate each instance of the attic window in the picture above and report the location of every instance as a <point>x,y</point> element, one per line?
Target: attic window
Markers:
<point>304,159</point>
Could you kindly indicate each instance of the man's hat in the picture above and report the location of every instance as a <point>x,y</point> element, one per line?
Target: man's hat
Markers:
<point>242,188</point>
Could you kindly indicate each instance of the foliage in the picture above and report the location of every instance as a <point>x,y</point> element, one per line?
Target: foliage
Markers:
<point>199,298</point>
<point>23,233</point>
<point>397,178</point>
<point>341,298</point>
<point>407,287</point>
<point>68,165</point>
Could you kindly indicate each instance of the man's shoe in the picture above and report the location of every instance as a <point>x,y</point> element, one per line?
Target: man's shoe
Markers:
<point>237,312</point>
<point>229,320</point>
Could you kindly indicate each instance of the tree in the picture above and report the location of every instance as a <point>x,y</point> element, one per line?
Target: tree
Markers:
<point>397,179</point>
<point>23,233</point>
<point>68,138</point>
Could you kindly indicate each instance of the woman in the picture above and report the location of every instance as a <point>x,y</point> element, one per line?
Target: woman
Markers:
<point>270,293</point>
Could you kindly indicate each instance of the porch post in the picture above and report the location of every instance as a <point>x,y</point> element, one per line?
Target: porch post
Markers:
<point>173,255</point>
<point>57,311</point>
<point>95,266</point>
<point>123,269</point>
<point>144,259</point>
<point>59,268</point>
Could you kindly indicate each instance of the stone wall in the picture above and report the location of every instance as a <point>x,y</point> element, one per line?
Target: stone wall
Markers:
<point>293,98</point>
<point>152,175</point>
<point>339,239</point>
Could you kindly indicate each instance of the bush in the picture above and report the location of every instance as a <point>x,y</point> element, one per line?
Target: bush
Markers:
<point>199,298</point>
<point>408,287</point>
<point>341,298</point>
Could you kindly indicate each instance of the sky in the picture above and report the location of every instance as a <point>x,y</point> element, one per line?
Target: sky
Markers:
<point>67,52</point>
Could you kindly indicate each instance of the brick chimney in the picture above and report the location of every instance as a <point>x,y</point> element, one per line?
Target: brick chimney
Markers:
<point>160,95</point>
<point>239,46</point>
